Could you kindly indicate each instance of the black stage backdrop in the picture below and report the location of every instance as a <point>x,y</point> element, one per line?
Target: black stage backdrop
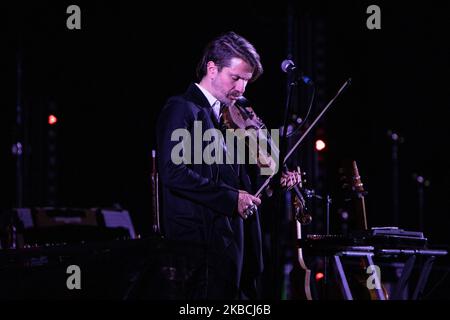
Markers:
<point>107,82</point>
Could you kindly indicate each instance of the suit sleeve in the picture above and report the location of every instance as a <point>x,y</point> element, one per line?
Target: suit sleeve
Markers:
<point>180,178</point>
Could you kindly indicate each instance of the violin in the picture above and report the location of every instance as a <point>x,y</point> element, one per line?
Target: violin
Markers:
<point>242,116</point>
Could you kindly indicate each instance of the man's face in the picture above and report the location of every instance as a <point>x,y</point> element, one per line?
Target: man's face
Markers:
<point>229,83</point>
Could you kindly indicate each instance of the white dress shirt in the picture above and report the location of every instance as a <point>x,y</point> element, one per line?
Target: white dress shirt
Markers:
<point>213,102</point>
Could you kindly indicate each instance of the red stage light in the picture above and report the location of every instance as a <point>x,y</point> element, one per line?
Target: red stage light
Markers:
<point>320,145</point>
<point>52,119</point>
<point>319,276</point>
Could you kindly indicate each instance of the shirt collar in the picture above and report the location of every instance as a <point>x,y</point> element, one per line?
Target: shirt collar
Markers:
<point>211,99</point>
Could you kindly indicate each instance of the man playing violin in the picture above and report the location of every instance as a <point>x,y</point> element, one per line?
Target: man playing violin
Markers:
<point>212,203</point>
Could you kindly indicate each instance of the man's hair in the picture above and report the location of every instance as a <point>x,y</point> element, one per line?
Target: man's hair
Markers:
<point>225,47</point>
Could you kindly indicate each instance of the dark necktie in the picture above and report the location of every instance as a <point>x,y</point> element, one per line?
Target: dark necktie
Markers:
<point>222,125</point>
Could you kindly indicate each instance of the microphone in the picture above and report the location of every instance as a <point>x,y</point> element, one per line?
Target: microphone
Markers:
<point>289,67</point>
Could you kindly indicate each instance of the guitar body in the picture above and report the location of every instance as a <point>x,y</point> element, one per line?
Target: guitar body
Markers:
<point>300,283</point>
<point>300,275</point>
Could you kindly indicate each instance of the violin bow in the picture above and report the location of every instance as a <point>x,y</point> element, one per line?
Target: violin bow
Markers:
<point>343,87</point>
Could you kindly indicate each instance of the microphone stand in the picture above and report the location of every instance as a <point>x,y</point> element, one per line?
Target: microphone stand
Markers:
<point>422,183</point>
<point>283,158</point>
<point>395,140</point>
<point>276,221</point>
<point>18,147</point>
<point>310,193</point>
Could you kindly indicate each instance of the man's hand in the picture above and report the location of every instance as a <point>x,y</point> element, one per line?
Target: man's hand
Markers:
<point>245,202</point>
<point>291,179</point>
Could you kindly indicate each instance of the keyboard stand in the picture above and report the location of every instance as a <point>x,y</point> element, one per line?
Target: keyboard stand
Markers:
<point>365,253</point>
<point>399,293</point>
<point>405,277</point>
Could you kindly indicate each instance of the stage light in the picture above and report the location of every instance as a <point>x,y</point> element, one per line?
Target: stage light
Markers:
<point>319,276</point>
<point>320,145</point>
<point>52,119</point>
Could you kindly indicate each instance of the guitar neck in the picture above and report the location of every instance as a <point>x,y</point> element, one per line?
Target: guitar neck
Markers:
<point>359,190</point>
<point>361,208</point>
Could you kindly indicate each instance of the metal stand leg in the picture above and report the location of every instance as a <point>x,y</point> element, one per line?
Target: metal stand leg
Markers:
<point>379,290</point>
<point>404,278</point>
<point>423,278</point>
<point>339,270</point>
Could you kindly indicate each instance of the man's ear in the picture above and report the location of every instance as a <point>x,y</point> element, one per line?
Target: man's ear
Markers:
<point>211,69</point>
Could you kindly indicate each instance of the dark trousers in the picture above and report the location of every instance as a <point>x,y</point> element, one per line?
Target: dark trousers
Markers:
<point>208,282</point>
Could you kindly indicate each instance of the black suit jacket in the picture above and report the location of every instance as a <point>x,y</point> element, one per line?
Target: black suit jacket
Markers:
<point>199,201</point>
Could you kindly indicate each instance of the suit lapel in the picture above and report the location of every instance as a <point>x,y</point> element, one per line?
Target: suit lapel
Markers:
<point>227,172</point>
